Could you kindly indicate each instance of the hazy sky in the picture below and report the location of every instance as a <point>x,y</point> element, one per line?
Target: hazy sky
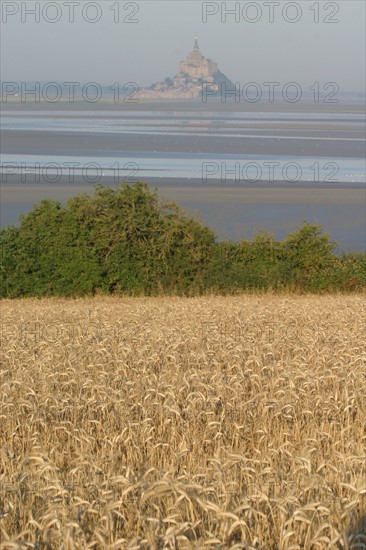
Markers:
<point>150,49</point>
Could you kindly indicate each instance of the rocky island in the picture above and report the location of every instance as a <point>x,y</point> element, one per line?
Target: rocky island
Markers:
<point>196,73</point>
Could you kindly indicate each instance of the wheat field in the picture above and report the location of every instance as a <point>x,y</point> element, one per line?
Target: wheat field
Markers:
<point>179,423</point>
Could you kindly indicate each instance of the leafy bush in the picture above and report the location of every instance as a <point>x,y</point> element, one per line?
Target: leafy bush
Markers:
<point>126,241</point>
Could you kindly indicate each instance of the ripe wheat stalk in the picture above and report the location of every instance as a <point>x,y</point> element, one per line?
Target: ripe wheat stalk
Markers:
<point>171,423</point>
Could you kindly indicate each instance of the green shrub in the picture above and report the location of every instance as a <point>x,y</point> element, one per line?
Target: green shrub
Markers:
<point>126,241</point>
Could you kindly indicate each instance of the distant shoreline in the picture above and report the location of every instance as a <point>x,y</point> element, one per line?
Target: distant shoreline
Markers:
<point>346,106</point>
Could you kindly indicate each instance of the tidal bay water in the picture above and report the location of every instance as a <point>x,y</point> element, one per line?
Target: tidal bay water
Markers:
<point>240,169</point>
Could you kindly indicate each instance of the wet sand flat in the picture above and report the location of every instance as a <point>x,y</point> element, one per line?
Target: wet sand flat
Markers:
<point>94,144</point>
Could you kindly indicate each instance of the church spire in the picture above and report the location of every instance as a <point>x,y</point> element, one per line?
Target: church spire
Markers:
<point>195,47</point>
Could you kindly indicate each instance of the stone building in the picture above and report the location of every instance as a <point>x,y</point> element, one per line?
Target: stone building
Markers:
<point>194,72</point>
<point>197,66</point>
